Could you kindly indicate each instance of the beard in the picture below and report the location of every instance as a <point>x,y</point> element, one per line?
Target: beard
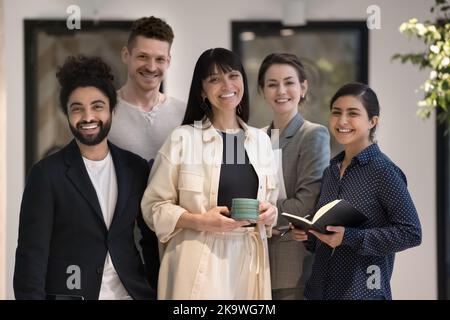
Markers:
<point>91,139</point>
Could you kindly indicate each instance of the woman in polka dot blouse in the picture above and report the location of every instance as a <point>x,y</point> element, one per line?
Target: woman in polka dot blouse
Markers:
<point>357,263</point>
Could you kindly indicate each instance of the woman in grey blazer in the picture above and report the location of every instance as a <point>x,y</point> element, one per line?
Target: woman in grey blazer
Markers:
<point>304,153</point>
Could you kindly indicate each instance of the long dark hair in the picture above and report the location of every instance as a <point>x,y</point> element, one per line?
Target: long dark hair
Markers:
<point>365,95</point>
<point>226,61</point>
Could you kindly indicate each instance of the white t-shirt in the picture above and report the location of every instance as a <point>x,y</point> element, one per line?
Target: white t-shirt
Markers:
<point>103,176</point>
<point>141,132</point>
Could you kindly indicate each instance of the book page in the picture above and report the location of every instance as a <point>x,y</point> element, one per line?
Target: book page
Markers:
<point>324,210</point>
<point>296,217</point>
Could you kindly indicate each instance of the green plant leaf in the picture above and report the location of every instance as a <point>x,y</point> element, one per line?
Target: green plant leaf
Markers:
<point>435,35</point>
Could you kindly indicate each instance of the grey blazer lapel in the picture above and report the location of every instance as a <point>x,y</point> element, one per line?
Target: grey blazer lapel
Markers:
<point>291,129</point>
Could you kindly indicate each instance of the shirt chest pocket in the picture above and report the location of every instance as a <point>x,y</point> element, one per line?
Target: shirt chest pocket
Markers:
<point>190,181</point>
<point>271,188</point>
<point>271,182</point>
<point>267,186</point>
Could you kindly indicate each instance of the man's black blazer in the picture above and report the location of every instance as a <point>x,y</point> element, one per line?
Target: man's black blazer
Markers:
<point>62,228</point>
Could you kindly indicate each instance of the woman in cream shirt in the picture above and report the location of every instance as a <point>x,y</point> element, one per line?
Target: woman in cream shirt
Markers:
<point>205,254</point>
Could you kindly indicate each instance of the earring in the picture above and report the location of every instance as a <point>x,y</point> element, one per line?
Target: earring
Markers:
<point>239,109</point>
<point>204,105</point>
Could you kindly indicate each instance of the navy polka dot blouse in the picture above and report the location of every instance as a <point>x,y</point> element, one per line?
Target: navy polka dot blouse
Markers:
<point>361,267</point>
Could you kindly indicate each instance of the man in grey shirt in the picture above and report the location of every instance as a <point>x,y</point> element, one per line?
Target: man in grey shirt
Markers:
<point>145,117</point>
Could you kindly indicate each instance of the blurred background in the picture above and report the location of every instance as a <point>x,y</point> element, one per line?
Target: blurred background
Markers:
<point>331,36</point>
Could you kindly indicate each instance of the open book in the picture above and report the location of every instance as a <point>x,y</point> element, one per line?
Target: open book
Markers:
<point>335,213</point>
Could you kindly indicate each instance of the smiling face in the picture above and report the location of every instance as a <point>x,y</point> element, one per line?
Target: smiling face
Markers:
<point>350,124</point>
<point>147,62</point>
<point>224,90</point>
<point>282,88</point>
<point>89,115</point>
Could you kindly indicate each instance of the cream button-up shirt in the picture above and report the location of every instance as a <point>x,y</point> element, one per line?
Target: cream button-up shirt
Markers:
<point>185,177</point>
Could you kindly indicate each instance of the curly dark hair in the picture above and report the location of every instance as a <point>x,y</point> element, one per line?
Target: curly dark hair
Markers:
<point>82,71</point>
<point>150,27</point>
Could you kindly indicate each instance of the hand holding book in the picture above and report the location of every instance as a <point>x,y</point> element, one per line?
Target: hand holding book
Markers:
<point>299,235</point>
<point>335,213</point>
<point>334,239</point>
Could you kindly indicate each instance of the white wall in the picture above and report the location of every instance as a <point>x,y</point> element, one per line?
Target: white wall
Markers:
<point>2,161</point>
<point>407,140</point>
